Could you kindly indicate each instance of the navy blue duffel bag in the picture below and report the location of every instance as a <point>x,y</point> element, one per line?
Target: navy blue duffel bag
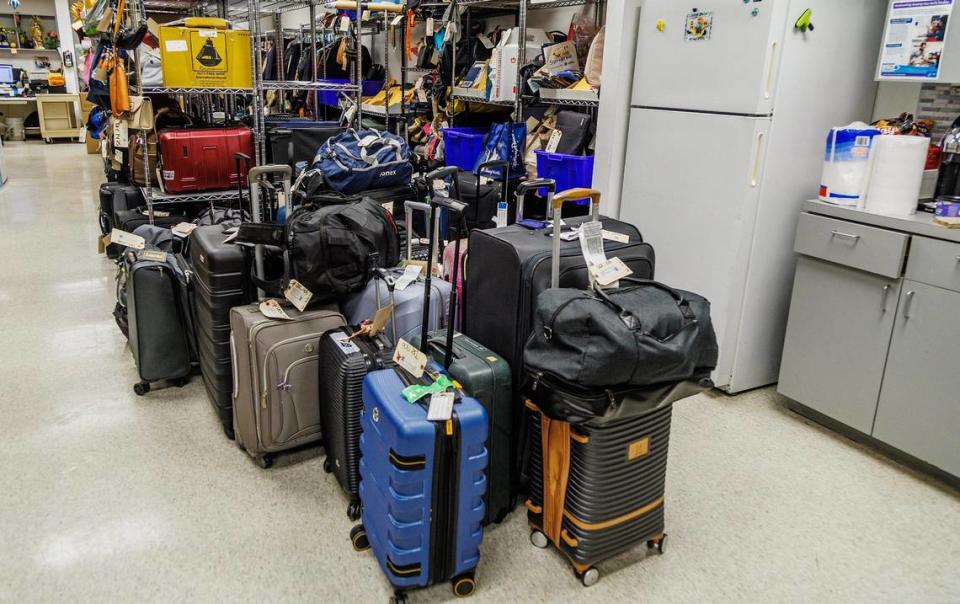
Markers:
<point>357,160</point>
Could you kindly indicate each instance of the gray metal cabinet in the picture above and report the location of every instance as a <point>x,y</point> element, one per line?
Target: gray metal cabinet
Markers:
<point>873,337</point>
<point>919,409</point>
<point>837,339</point>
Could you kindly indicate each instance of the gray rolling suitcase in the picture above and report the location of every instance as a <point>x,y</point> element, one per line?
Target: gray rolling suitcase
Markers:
<point>276,403</point>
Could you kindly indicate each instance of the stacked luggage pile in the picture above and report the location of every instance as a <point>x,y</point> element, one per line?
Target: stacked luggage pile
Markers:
<point>444,392</point>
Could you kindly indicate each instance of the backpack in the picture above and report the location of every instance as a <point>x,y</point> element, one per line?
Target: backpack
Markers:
<point>357,160</point>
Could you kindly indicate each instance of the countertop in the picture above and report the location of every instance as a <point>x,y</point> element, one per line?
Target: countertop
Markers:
<point>920,223</point>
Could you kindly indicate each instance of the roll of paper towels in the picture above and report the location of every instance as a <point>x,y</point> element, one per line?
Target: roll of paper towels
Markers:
<point>845,163</point>
<point>895,174</point>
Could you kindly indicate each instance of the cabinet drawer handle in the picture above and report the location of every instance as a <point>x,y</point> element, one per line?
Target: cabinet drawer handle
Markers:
<point>842,235</point>
<point>886,294</point>
<point>907,304</point>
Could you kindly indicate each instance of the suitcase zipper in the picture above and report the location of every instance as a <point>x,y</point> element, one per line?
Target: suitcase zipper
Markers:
<point>445,502</point>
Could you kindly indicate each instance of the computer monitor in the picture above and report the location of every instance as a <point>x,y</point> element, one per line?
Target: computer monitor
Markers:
<point>6,74</point>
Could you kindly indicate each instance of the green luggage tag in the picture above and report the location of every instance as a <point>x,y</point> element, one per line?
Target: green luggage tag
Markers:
<point>417,391</point>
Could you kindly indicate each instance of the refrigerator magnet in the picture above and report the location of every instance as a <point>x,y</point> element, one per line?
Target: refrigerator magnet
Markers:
<point>699,27</point>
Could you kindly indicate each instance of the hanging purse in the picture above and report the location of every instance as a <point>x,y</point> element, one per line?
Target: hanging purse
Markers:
<point>140,116</point>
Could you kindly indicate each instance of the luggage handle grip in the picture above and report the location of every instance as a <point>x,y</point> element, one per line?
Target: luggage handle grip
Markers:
<point>537,183</point>
<point>556,204</point>
<point>439,173</point>
<point>494,163</point>
<point>408,208</point>
<point>631,320</point>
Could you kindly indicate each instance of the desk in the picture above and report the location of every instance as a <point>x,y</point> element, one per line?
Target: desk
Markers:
<point>59,113</point>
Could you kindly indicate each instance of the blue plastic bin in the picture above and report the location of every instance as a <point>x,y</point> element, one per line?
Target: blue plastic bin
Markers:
<point>462,146</point>
<point>330,97</point>
<point>570,171</point>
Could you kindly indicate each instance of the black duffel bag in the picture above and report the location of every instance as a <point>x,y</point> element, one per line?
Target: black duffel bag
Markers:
<point>641,334</point>
<point>332,249</point>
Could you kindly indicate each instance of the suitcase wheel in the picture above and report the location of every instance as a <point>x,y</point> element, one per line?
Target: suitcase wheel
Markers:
<point>660,544</point>
<point>398,597</point>
<point>141,388</point>
<point>358,536</point>
<point>464,586</point>
<point>538,539</point>
<point>264,461</point>
<point>353,510</point>
<point>589,577</point>
<point>179,382</point>
<point>228,431</point>
<point>327,465</point>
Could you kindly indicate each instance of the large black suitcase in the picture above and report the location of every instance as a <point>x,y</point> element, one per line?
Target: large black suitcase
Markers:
<point>220,282</point>
<point>507,268</point>
<point>158,311</point>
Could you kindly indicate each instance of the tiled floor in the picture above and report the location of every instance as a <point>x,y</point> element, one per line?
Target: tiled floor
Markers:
<point>106,496</point>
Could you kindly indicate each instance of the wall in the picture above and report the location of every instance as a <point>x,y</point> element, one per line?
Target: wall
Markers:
<point>939,102</point>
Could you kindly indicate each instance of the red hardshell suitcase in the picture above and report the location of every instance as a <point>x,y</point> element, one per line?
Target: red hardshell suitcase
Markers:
<point>202,159</point>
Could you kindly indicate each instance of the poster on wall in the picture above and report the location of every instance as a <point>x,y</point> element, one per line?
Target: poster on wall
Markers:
<point>913,44</point>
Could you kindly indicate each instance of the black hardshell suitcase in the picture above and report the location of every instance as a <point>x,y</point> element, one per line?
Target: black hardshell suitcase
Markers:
<point>510,266</point>
<point>609,495</point>
<point>158,312</point>
<point>345,361</point>
<point>220,282</point>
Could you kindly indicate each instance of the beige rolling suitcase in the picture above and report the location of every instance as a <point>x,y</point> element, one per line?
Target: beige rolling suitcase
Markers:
<point>275,371</point>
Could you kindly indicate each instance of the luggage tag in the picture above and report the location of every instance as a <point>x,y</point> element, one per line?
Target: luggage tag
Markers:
<point>344,23</point>
<point>554,141</point>
<point>297,294</point>
<point>272,310</point>
<point>610,272</point>
<point>441,406</point>
<point>183,229</point>
<point>410,359</point>
<point>377,325</point>
<point>121,135</point>
<point>343,341</point>
<point>155,255</point>
<point>417,391</point>
<point>410,274</point>
<point>102,242</point>
<point>617,237</point>
<point>127,239</point>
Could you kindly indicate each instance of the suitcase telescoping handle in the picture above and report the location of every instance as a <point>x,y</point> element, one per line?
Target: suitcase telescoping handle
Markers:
<point>535,183</point>
<point>558,201</point>
<point>491,165</point>
<point>255,211</point>
<point>240,159</point>
<point>454,209</point>
<point>408,208</point>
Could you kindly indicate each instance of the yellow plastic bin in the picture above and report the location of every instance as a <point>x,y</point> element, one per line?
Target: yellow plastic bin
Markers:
<point>205,53</point>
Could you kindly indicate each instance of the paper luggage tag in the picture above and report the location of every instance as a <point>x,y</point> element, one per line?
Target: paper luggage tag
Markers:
<point>380,319</point>
<point>429,30</point>
<point>102,242</point>
<point>396,20</point>
<point>410,274</point>
<point>441,406</point>
<point>183,229</point>
<point>155,255</point>
<point>272,310</point>
<point>591,243</point>
<point>610,271</point>
<point>554,141</point>
<point>127,239</point>
<point>121,136</point>
<point>409,358</point>
<point>344,23</point>
<point>297,294</point>
<point>617,237</point>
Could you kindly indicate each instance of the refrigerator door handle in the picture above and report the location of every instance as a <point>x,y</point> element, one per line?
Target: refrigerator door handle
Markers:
<point>770,69</point>
<point>757,159</point>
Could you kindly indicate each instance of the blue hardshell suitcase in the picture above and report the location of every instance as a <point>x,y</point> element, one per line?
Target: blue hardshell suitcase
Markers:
<point>422,486</point>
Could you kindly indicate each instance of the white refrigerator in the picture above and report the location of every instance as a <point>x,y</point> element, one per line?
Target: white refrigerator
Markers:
<point>729,113</point>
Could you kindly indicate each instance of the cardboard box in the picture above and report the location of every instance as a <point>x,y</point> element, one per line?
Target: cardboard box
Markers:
<point>205,57</point>
<point>93,145</point>
<point>503,62</point>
